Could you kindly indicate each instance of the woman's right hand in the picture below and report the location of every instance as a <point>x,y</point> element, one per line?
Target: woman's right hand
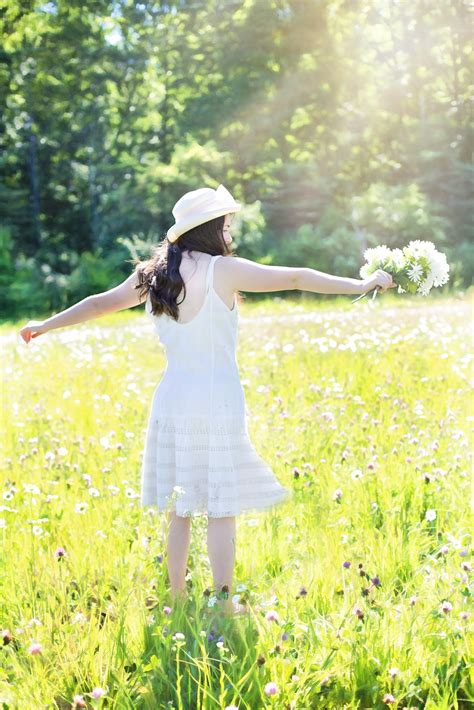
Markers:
<point>32,329</point>
<point>380,279</point>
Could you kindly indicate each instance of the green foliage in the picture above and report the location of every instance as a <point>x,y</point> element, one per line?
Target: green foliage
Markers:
<point>331,246</point>
<point>396,215</point>
<point>110,114</point>
<point>461,260</point>
<point>96,272</point>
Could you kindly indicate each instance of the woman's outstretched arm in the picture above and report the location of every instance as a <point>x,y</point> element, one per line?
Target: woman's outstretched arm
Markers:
<point>247,275</point>
<point>125,295</point>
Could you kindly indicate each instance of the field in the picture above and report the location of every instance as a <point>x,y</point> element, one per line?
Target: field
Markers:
<point>359,588</point>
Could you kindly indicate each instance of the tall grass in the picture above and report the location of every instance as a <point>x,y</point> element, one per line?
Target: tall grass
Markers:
<point>364,411</point>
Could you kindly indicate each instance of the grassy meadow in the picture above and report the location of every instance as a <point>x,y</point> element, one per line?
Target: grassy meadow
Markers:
<point>359,588</point>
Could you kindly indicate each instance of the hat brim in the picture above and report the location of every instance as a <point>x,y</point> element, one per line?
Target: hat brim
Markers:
<point>183,226</point>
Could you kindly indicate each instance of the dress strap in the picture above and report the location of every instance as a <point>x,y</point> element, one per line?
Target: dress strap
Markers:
<point>210,271</point>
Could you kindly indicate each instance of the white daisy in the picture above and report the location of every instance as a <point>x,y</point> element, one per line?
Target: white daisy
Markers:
<point>415,272</point>
<point>398,258</point>
<point>439,268</point>
<point>379,253</point>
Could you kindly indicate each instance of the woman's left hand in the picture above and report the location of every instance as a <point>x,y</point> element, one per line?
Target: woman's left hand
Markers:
<point>32,329</point>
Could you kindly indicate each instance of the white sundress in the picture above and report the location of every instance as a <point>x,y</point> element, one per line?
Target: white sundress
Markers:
<point>198,458</point>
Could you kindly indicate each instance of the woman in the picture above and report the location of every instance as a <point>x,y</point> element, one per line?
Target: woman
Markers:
<point>198,457</point>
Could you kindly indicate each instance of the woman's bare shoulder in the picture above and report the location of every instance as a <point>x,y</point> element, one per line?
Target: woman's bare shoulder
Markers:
<point>247,275</point>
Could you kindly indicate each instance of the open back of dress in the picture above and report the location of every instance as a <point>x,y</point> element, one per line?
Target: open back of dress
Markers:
<point>198,457</point>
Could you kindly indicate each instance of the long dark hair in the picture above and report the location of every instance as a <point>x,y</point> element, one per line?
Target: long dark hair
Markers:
<point>159,275</point>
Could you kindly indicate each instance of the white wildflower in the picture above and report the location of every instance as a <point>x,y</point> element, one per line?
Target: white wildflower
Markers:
<point>415,273</point>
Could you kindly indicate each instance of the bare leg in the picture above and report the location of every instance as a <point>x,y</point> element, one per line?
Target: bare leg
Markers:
<point>221,537</point>
<point>179,536</point>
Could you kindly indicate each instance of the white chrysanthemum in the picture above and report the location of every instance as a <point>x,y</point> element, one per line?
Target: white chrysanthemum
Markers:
<point>415,273</point>
<point>425,286</point>
<point>398,258</point>
<point>365,271</point>
<point>421,248</point>
<point>439,268</point>
<point>380,253</point>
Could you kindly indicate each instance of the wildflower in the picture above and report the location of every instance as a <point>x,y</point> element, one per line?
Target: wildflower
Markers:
<point>464,615</point>
<point>356,473</point>
<point>35,648</point>
<point>261,660</point>
<point>178,636</point>
<point>359,613</point>
<point>389,699</point>
<point>285,636</point>
<point>444,550</point>
<point>224,593</point>
<point>271,689</point>
<point>337,495</point>
<point>231,707</point>
<point>413,600</point>
<point>415,273</point>
<point>60,552</point>
<point>6,636</point>
<point>430,515</point>
<point>98,693</point>
<point>81,507</point>
<point>295,678</point>
<point>167,610</point>
<point>346,564</point>
<point>31,488</point>
<point>376,581</point>
<point>272,616</point>
<point>446,607</point>
<point>393,672</point>
<point>79,702</point>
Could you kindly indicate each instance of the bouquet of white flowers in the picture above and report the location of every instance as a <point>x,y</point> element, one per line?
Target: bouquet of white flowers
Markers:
<point>416,268</point>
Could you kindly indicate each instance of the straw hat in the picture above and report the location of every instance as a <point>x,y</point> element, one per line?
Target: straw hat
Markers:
<point>199,206</point>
